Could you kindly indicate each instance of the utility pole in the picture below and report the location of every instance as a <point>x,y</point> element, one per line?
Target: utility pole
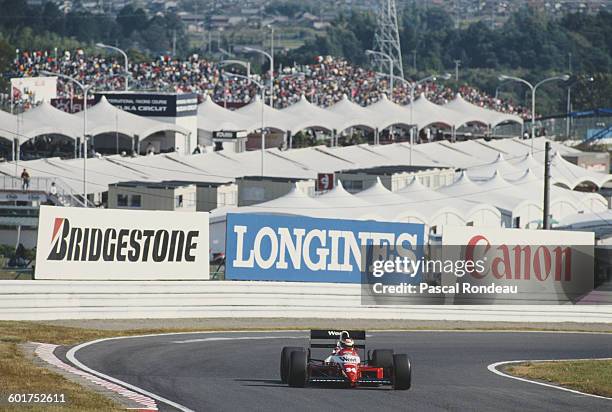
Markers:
<point>173,43</point>
<point>545,218</point>
<point>457,64</point>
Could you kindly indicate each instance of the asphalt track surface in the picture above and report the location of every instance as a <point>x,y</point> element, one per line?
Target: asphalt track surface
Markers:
<point>240,371</point>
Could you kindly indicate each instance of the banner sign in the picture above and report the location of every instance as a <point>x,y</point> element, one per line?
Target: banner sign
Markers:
<point>305,249</point>
<point>325,182</point>
<point>537,266</point>
<point>153,104</point>
<point>110,244</point>
<point>34,89</point>
<point>228,135</point>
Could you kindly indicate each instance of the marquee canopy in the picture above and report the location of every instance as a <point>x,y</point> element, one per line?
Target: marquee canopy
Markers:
<point>212,117</point>
<point>476,113</point>
<point>107,118</point>
<point>16,127</point>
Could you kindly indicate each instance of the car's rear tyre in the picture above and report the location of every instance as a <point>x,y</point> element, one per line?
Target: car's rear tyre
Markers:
<point>298,369</point>
<point>402,372</point>
<point>285,360</point>
<point>382,358</point>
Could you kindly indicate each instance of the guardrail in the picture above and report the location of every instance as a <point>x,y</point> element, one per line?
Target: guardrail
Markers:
<point>50,300</point>
<point>64,195</point>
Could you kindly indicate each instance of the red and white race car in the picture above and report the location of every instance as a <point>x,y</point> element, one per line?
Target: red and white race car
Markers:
<point>344,365</point>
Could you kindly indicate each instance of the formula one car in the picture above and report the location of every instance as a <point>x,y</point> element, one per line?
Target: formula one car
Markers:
<point>299,368</point>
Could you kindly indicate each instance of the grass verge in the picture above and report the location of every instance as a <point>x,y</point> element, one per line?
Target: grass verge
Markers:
<point>20,375</point>
<point>588,376</point>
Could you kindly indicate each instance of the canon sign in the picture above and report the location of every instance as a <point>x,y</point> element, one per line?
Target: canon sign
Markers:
<point>545,265</point>
<point>509,262</point>
<point>120,244</point>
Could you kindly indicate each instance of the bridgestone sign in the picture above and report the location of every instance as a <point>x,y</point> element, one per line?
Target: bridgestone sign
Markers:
<point>85,244</point>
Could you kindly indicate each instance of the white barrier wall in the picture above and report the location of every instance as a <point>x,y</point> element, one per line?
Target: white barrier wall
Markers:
<point>49,300</point>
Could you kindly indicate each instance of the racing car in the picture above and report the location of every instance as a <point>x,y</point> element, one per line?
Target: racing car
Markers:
<point>345,365</point>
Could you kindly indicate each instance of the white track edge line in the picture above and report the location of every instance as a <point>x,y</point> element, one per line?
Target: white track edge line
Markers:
<point>72,358</point>
<point>70,355</point>
<point>493,368</point>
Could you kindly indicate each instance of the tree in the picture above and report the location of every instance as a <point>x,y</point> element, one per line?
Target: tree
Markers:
<point>131,19</point>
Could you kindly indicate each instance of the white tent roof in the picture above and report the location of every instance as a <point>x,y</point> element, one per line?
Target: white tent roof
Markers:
<point>107,118</point>
<point>563,172</point>
<point>13,126</point>
<point>481,148</point>
<point>344,203</point>
<point>272,118</point>
<point>533,186</point>
<point>426,113</point>
<point>449,155</point>
<point>493,193</point>
<point>498,166</point>
<point>213,117</point>
<point>576,175</point>
<point>399,154</point>
<point>388,113</point>
<point>480,114</point>
<point>64,123</point>
<point>353,114</point>
<point>308,115</point>
<point>393,204</point>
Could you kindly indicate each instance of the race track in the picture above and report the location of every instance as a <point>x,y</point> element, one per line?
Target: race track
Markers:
<point>239,371</point>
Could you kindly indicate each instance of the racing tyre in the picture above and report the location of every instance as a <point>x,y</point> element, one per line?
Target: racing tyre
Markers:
<point>382,358</point>
<point>298,369</point>
<point>402,372</point>
<point>285,359</point>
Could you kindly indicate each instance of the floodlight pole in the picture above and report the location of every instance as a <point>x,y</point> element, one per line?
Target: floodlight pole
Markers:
<point>533,96</point>
<point>263,106</point>
<point>546,208</point>
<point>271,58</point>
<point>117,49</point>
<point>85,89</point>
<point>413,87</point>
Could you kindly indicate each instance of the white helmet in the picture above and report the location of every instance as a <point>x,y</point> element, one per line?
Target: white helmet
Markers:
<point>345,340</point>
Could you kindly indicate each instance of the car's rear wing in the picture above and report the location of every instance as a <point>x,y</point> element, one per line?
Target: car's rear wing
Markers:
<point>329,338</point>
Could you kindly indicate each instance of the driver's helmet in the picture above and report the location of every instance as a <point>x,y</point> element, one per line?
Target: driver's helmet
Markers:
<point>345,341</point>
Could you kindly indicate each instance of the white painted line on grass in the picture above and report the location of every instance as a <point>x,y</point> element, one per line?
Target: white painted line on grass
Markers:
<point>493,368</point>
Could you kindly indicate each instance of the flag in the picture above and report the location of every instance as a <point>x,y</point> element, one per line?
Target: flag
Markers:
<point>16,93</point>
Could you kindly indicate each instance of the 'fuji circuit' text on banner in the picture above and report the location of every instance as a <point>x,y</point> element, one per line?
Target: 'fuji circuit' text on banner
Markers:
<point>110,244</point>
<point>305,249</point>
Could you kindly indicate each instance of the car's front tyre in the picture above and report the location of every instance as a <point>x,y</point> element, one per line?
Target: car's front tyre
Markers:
<point>402,372</point>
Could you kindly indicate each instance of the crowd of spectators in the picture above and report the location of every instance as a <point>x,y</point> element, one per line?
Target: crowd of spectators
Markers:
<point>323,83</point>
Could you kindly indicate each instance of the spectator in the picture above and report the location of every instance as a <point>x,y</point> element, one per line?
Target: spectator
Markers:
<point>25,180</point>
<point>324,82</point>
<point>53,189</point>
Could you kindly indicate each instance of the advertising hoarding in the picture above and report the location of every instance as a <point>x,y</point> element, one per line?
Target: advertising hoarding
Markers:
<point>544,266</point>
<point>35,89</point>
<point>110,244</point>
<point>305,249</point>
<point>153,104</point>
<point>325,182</point>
